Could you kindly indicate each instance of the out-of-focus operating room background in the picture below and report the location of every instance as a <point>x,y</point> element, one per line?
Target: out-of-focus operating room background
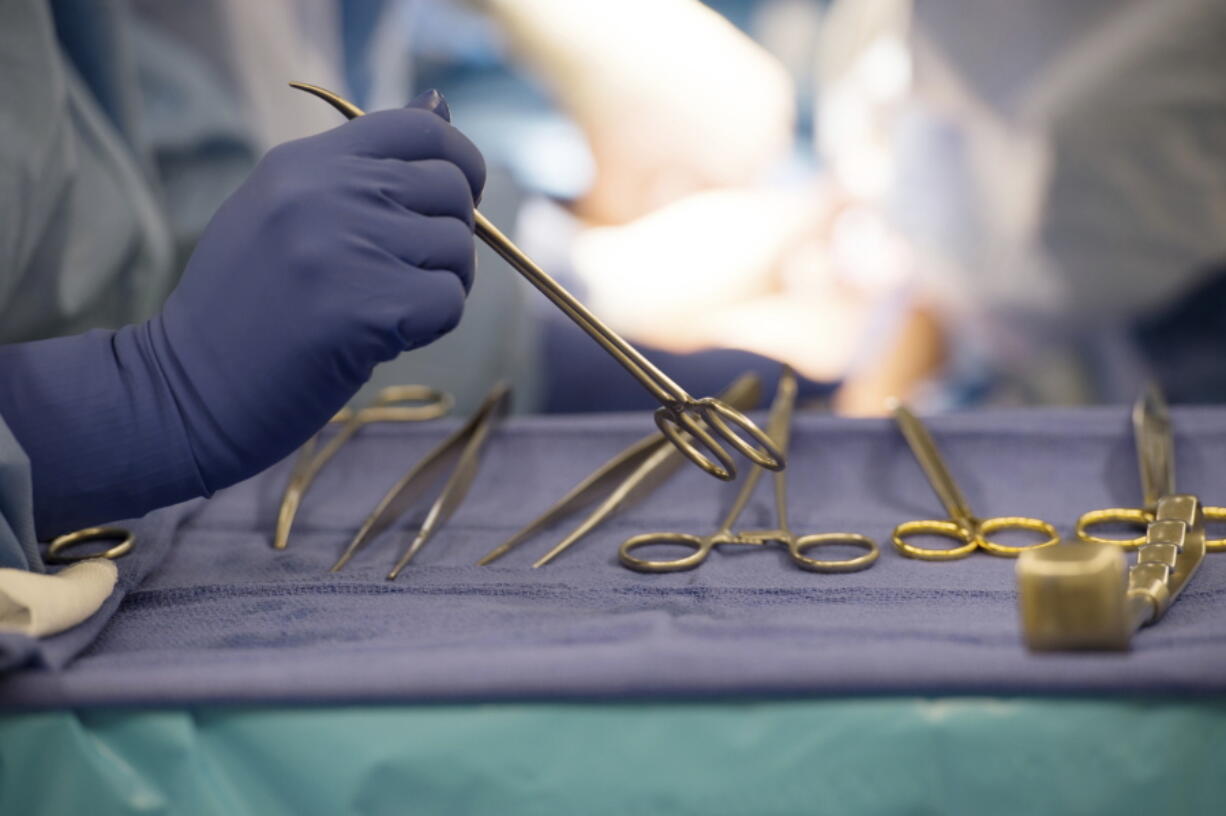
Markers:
<point>960,202</point>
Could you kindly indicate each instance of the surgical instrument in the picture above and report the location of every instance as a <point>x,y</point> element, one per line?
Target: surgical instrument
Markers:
<point>1151,427</point>
<point>461,451</point>
<point>57,549</point>
<point>1077,595</point>
<point>779,428</point>
<point>680,417</point>
<point>397,403</point>
<point>631,474</point>
<point>962,526</point>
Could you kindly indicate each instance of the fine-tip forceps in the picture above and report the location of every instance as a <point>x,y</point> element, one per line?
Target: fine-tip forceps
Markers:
<point>962,526</point>
<point>462,453</point>
<point>397,403</point>
<point>680,417</point>
<point>1151,428</point>
<point>630,475</point>
<point>1078,596</point>
<point>779,427</point>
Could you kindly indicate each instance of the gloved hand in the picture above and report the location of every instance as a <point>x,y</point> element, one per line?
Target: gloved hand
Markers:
<point>339,252</point>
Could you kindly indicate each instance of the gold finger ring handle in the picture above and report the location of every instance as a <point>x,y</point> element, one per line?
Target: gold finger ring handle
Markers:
<point>56,550</point>
<point>1115,515</point>
<point>408,403</point>
<point>940,529</point>
<point>1031,525</point>
<point>1215,514</point>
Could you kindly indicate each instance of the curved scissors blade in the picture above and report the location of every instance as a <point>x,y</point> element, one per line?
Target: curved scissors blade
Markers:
<point>1151,426</point>
<point>309,463</point>
<point>929,458</point>
<point>396,403</point>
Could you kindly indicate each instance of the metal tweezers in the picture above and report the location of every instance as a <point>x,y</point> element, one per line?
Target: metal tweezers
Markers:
<point>461,453</point>
<point>397,403</point>
<point>629,476</point>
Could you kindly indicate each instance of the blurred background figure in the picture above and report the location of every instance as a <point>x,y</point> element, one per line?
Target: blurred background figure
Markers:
<point>953,201</point>
<point>1058,175</point>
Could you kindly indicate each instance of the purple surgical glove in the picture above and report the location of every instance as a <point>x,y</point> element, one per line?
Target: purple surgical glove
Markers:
<point>339,252</point>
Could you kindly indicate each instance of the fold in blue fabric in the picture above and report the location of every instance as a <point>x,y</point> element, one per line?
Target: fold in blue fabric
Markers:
<point>154,535</point>
<point>213,614</point>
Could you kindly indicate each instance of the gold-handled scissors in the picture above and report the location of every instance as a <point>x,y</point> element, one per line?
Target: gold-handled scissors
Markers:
<point>680,417</point>
<point>461,452</point>
<point>630,475</point>
<point>962,526</point>
<point>779,427</point>
<point>58,549</point>
<point>1151,428</point>
<point>397,403</point>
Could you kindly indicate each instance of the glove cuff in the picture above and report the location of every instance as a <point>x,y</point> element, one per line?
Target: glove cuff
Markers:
<point>100,425</point>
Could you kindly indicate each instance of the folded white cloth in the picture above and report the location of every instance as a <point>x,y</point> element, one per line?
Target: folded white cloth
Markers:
<point>41,605</point>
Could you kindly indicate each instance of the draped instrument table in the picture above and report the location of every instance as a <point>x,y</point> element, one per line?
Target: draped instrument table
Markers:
<point>746,685</point>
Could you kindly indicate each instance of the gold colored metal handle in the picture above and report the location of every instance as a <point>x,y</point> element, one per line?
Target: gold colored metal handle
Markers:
<point>1139,518</point>
<point>700,546</point>
<point>56,550</point>
<point>408,403</point>
<point>343,415</point>
<point>804,544</point>
<point>1135,516</point>
<point>1215,514</point>
<point>922,446</point>
<point>940,529</point>
<point>1031,525</point>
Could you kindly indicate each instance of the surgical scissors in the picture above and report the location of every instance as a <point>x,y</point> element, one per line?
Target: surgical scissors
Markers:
<point>397,403</point>
<point>461,451</point>
<point>57,549</point>
<point>631,474</point>
<point>1151,428</point>
<point>961,526</point>
<point>680,417</point>
<point>779,427</point>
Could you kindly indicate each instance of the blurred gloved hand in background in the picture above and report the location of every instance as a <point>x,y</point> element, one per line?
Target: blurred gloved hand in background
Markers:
<point>339,252</point>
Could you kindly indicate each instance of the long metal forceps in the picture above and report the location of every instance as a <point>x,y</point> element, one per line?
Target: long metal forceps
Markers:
<point>962,526</point>
<point>1151,429</point>
<point>680,417</point>
<point>397,403</point>
<point>630,475</point>
<point>461,452</point>
<point>779,427</point>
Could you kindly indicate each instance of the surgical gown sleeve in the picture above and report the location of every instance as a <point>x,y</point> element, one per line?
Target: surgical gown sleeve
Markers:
<point>83,242</point>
